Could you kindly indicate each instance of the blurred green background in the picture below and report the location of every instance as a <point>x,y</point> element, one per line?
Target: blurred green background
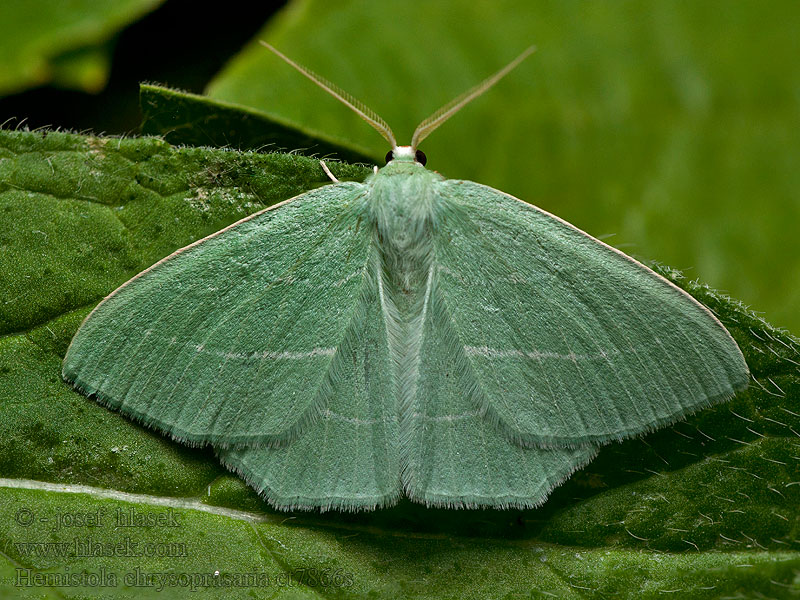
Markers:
<point>668,129</point>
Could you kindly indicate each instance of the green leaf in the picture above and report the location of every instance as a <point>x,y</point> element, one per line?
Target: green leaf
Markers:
<point>84,68</point>
<point>300,560</point>
<point>705,509</point>
<point>65,43</point>
<point>666,124</point>
<point>187,119</point>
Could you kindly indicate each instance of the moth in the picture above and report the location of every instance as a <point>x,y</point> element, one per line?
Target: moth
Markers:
<point>407,336</point>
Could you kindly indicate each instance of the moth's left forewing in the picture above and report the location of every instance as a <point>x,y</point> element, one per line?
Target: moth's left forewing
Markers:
<point>570,341</point>
<point>236,338</point>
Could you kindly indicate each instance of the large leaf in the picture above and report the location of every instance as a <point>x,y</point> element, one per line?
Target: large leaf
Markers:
<point>66,43</point>
<point>706,509</point>
<point>182,118</point>
<point>669,124</point>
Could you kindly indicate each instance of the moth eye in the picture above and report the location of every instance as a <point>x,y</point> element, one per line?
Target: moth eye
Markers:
<point>389,157</point>
<point>420,157</point>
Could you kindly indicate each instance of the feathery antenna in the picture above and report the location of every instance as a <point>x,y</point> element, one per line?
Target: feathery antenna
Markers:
<point>425,128</point>
<point>358,107</point>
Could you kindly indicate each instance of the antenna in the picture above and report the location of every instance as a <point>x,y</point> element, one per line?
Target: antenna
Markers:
<point>425,128</point>
<point>358,107</point>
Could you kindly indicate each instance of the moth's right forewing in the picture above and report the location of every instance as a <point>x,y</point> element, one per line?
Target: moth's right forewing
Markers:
<point>568,340</point>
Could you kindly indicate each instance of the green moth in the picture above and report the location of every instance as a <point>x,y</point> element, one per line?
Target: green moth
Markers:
<point>410,336</point>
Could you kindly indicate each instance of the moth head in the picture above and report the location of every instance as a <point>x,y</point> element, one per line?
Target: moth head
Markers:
<point>424,129</point>
<point>406,154</point>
